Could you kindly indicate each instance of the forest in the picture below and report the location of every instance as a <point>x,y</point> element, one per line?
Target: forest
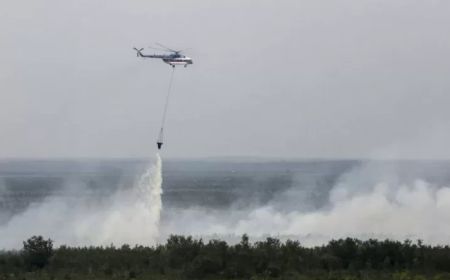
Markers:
<point>184,257</point>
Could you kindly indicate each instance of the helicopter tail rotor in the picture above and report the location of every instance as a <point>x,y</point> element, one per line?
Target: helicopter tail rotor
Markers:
<point>138,51</point>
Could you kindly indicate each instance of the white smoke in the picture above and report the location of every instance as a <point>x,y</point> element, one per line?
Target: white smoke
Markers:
<point>128,216</point>
<point>365,203</point>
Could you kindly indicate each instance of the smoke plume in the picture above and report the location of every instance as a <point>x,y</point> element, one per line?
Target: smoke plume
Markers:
<point>364,203</point>
<point>129,216</point>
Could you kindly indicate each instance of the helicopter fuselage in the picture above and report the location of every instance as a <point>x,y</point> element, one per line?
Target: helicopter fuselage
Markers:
<point>171,59</point>
<point>178,60</point>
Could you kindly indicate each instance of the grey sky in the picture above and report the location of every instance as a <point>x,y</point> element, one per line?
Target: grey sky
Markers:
<point>350,78</point>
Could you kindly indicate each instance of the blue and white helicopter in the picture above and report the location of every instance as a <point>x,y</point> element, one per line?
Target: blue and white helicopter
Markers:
<point>173,58</point>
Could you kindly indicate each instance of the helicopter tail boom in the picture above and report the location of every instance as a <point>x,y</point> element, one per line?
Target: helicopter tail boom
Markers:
<point>140,54</point>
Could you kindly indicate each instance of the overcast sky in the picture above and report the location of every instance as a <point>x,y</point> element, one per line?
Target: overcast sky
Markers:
<point>285,79</point>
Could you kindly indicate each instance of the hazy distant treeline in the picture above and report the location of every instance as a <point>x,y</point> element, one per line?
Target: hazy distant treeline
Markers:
<point>188,258</point>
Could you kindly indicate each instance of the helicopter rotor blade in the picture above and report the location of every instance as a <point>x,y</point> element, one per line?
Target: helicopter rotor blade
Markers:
<point>183,50</point>
<point>157,49</point>
<point>172,50</point>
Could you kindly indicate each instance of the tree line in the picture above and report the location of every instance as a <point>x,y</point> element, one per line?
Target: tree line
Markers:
<point>183,257</point>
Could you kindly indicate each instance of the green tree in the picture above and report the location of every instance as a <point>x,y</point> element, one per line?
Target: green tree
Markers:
<point>182,250</point>
<point>37,252</point>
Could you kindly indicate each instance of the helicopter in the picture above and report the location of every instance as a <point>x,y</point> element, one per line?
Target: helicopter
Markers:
<point>173,58</point>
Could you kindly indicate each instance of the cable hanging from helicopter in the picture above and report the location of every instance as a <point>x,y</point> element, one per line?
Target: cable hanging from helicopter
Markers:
<point>160,140</point>
<point>173,58</point>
